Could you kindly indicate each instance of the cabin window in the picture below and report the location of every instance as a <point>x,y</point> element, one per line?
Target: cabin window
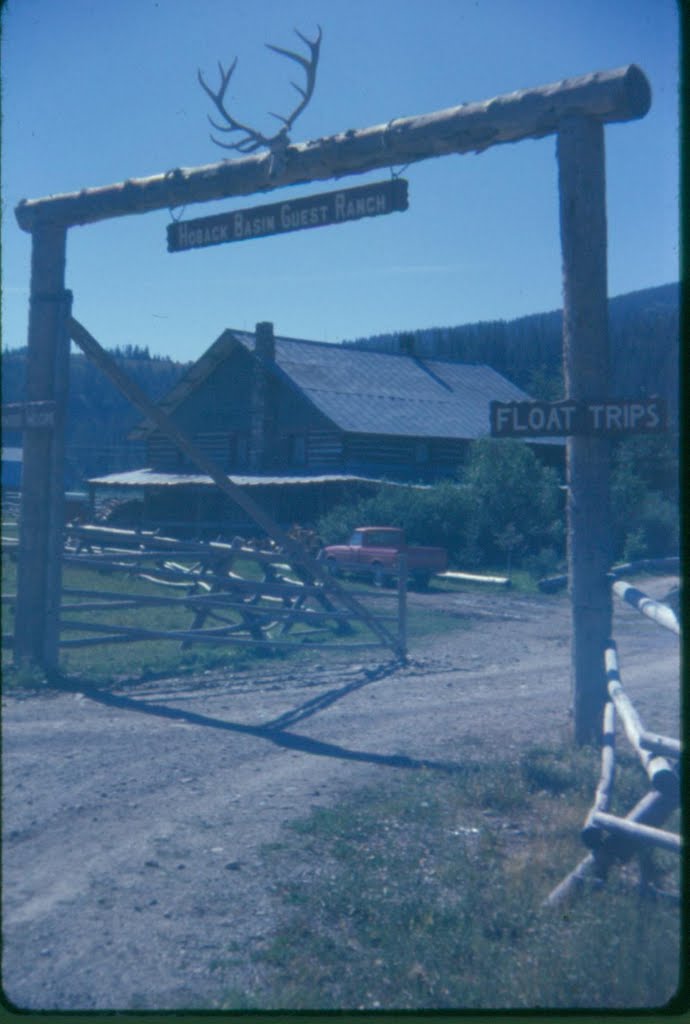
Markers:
<point>421,452</point>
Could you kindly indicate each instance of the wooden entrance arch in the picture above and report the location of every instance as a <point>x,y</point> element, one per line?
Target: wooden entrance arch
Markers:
<point>575,111</point>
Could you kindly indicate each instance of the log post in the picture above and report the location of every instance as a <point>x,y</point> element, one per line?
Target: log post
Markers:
<point>580,153</point>
<point>42,506</point>
<point>591,834</point>
<point>402,604</point>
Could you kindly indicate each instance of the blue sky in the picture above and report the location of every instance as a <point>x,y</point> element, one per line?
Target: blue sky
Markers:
<point>97,91</point>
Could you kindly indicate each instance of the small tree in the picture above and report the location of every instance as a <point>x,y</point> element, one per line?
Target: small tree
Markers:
<point>509,540</point>
<point>515,501</point>
<point>644,489</point>
<point>431,515</point>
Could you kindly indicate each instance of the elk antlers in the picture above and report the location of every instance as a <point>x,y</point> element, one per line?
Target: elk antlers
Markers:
<point>254,140</point>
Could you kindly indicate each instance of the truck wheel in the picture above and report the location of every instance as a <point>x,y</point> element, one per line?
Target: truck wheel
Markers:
<point>378,576</point>
<point>421,580</point>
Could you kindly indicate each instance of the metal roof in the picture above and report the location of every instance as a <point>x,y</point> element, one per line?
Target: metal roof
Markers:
<point>154,478</point>
<point>376,393</point>
<point>364,392</point>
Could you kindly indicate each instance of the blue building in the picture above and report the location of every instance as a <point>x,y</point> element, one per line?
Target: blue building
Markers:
<point>12,468</point>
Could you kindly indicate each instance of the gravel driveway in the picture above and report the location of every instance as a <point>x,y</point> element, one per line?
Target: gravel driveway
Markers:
<point>135,819</point>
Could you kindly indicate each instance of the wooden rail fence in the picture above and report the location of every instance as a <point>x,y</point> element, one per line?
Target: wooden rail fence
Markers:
<point>611,838</point>
<point>236,594</point>
<point>655,610</point>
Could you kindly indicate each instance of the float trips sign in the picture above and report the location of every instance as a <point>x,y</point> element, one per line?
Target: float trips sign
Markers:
<point>561,419</point>
<point>279,218</point>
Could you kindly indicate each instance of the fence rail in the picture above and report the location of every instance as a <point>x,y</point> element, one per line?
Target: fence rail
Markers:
<point>552,584</point>
<point>236,594</point>
<point>655,610</point>
<point>610,837</point>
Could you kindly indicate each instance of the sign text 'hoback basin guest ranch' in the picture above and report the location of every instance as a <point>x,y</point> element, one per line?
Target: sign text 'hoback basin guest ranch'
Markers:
<point>337,207</point>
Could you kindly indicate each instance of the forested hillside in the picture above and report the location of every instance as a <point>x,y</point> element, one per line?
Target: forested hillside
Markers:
<point>99,416</point>
<point>644,334</point>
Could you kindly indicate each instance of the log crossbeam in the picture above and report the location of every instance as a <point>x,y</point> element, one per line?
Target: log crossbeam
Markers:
<point>621,94</point>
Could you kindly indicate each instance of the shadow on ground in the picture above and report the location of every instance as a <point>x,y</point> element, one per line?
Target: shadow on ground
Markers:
<point>275,731</point>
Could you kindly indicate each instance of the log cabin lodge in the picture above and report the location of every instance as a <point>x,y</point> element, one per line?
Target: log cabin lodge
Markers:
<point>307,425</point>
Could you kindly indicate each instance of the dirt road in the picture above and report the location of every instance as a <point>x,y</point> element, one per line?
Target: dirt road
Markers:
<point>134,820</point>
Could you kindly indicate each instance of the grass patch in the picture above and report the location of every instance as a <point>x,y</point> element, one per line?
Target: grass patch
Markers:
<point>426,892</point>
<point>117,661</point>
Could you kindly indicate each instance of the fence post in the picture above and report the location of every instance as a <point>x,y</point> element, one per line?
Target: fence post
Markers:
<point>582,196</point>
<point>402,604</point>
<point>39,579</point>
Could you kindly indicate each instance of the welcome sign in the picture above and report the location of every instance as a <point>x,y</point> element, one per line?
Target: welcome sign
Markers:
<point>279,218</point>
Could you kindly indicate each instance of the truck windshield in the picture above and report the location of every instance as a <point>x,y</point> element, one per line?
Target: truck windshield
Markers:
<point>382,538</point>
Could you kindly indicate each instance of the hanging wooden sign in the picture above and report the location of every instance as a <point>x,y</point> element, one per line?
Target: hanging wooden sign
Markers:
<point>279,218</point>
<point>568,418</point>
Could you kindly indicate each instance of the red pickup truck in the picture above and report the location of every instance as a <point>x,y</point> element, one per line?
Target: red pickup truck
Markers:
<point>374,551</point>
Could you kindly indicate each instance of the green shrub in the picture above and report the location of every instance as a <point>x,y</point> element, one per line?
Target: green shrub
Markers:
<point>644,500</point>
<point>546,562</point>
<point>507,507</point>
<point>433,515</point>
<point>513,493</point>
<point>507,510</point>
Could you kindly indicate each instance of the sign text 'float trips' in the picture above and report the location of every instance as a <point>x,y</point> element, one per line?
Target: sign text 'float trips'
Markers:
<point>295,215</point>
<point>568,418</point>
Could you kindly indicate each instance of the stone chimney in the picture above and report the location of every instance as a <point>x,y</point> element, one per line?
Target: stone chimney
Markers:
<point>407,345</point>
<point>261,432</point>
<point>265,342</point>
